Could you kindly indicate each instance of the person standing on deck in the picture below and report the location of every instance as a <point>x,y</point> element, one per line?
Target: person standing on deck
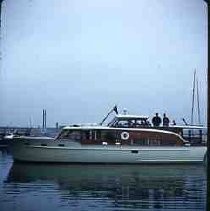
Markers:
<point>165,120</point>
<point>156,120</point>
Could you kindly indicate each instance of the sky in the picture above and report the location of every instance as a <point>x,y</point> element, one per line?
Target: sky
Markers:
<point>78,58</point>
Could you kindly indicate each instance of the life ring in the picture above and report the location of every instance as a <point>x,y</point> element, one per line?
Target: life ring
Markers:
<point>124,135</point>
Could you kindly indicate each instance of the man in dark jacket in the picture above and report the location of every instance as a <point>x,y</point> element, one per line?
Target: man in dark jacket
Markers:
<point>165,120</point>
<point>156,120</point>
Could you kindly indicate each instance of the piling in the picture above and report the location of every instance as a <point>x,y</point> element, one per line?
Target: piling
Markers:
<point>44,120</point>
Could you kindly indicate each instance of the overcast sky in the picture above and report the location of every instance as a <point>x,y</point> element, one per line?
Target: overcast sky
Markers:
<point>77,58</point>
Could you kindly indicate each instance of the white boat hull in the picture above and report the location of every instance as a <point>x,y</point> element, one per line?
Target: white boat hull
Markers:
<point>48,150</point>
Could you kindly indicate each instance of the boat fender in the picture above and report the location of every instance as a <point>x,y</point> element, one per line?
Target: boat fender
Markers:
<point>124,135</point>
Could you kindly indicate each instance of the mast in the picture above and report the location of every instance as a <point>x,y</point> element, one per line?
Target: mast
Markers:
<point>198,104</point>
<point>193,98</point>
<point>0,25</point>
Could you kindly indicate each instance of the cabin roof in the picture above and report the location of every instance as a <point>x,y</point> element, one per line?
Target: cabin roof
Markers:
<point>188,127</point>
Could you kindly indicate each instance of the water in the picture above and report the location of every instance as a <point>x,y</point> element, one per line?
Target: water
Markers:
<point>33,187</point>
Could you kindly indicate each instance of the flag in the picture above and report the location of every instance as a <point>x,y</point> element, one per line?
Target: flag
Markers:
<point>115,109</point>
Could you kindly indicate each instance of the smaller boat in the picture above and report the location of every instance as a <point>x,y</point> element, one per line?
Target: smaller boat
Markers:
<point>9,136</point>
<point>5,139</point>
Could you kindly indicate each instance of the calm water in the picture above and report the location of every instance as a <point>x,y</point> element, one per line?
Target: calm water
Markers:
<point>32,187</point>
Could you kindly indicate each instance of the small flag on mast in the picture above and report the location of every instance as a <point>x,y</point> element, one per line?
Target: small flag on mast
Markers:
<point>115,109</point>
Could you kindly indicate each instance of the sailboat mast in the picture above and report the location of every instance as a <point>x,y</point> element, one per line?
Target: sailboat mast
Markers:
<point>193,98</point>
<point>199,113</point>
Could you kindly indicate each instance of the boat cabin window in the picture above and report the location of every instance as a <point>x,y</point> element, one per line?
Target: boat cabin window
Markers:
<point>90,135</point>
<point>123,123</point>
<point>70,135</point>
<point>153,139</point>
<point>97,135</point>
<point>153,142</point>
<point>131,123</point>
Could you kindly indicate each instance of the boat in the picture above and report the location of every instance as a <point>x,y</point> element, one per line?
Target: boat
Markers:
<point>7,136</point>
<point>5,139</point>
<point>127,139</point>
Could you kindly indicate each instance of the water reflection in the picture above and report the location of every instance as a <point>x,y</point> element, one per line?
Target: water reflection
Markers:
<point>119,186</point>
